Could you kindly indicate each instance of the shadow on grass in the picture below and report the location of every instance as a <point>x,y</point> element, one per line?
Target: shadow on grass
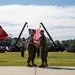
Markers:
<point>3,61</point>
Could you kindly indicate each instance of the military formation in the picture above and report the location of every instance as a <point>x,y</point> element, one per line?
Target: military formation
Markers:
<point>32,49</point>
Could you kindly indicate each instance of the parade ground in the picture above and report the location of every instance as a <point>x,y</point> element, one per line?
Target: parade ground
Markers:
<point>23,70</point>
<point>60,63</point>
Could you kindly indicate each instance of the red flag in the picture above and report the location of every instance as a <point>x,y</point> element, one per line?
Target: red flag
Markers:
<point>3,34</point>
<point>37,34</point>
<point>36,37</point>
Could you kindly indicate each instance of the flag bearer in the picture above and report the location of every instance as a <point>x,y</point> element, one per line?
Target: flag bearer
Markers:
<point>31,50</point>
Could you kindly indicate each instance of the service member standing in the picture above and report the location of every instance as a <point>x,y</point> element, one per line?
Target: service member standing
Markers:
<point>31,50</point>
<point>43,49</point>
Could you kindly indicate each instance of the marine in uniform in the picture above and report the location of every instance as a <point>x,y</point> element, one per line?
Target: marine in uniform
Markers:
<point>43,49</point>
<point>31,50</point>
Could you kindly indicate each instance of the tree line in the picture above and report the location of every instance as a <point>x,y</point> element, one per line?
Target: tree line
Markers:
<point>22,41</point>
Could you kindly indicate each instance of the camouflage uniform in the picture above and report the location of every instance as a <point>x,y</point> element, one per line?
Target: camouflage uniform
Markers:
<point>31,50</point>
<point>43,49</point>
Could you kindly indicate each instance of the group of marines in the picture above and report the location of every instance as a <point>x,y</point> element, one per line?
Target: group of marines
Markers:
<point>32,49</point>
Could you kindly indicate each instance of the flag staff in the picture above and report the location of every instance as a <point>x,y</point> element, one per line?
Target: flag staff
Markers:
<point>48,34</point>
<point>21,33</point>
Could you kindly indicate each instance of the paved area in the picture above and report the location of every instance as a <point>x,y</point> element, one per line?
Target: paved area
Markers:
<point>23,70</point>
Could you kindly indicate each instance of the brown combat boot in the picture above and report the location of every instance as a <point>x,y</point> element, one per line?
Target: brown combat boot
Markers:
<point>42,66</point>
<point>29,65</point>
<point>34,65</point>
<point>46,64</point>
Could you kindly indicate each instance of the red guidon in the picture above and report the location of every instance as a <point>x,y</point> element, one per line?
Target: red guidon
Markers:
<point>3,34</point>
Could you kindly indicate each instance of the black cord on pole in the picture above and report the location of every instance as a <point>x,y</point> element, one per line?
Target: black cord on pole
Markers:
<point>39,26</point>
<point>27,26</point>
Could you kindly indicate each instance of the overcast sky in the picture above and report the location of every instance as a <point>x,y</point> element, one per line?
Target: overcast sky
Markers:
<point>58,16</point>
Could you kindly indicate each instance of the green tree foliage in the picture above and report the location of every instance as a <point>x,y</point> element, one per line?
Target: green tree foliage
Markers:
<point>57,42</point>
<point>69,43</point>
<point>22,41</point>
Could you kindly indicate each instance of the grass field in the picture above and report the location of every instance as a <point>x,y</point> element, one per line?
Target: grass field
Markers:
<point>54,59</point>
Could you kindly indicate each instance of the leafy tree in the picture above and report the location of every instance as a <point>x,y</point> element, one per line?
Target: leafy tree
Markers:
<point>57,42</point>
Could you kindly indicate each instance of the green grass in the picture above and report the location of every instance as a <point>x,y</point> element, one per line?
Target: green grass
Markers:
<point>61,59</point>
<point>54,59</point>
